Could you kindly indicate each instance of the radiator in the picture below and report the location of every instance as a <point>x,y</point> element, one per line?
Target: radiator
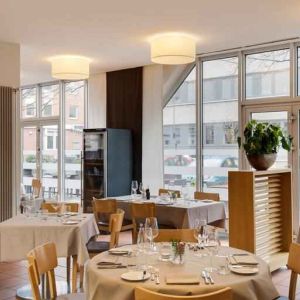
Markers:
<point>6,152</point>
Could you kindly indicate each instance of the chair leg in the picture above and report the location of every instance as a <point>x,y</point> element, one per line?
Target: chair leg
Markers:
<point>81,270</point>
<point>74,273</point>
<point>293,285</point>
<point>68,270</point>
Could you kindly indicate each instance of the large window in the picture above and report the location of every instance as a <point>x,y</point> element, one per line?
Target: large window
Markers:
<point>220,123</point>
<point>74,124</point>
<point>268,74</point>
<point>179,132</point>
<point>47,154</point>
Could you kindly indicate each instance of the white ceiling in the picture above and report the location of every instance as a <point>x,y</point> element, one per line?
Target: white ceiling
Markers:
<point>114,33</point>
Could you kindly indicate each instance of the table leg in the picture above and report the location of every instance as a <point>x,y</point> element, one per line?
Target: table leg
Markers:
<point>74,273</point>
<point>68,270</point>
<point>81,270</point>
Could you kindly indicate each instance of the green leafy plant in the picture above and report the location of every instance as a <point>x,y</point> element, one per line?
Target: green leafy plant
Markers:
<point>264,138</point>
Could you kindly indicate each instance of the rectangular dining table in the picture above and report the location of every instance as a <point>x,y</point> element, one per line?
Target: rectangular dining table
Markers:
<point>20,234</point>
<point>181,213</point>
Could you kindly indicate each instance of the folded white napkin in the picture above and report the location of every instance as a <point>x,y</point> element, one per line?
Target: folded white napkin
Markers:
<point>243,260</point>
<point>183,279</point>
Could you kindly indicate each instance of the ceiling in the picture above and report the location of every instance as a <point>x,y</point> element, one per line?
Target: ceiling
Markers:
<point>114,34</point>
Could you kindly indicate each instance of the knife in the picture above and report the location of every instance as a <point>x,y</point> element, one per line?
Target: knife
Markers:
<point>205,277</point>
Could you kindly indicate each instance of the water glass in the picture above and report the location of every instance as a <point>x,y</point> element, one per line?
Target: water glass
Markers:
<point>165,251</point>
<point>223,268</point>
<point>151,223</point>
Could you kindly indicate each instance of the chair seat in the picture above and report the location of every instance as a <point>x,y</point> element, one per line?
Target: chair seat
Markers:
<point>74,296</point>
<point>94,246</point>
<point>282,298</point>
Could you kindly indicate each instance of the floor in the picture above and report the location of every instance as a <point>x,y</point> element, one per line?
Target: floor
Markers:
<point>14,275</point>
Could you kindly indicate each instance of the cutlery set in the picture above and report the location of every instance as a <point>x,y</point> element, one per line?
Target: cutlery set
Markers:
<point>207,277</point>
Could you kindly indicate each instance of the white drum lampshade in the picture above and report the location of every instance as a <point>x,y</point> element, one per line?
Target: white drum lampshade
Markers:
<point>173,49</point>
<point>70,67</point>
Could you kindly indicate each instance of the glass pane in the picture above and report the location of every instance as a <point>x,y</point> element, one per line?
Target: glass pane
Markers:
<point>298,73</point>
<point>74,124</point>
<point>179,132</point>
<point>220,123</point>
<point>50,100</point>
<point>28,100</point>
<point>29,158</point>
<point>49,160</point>
<point>268,74</point>
<point>280,118</point>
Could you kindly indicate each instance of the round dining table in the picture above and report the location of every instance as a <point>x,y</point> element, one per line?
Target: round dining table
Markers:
<point>106,283</point>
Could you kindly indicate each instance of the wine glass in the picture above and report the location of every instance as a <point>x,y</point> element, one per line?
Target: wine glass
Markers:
<point>151,223</point>
<point>200,232</point>
<point>134,186</point>
<point>142,190</point>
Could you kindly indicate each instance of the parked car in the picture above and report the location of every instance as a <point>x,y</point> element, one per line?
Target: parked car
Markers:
<point>215,181</point>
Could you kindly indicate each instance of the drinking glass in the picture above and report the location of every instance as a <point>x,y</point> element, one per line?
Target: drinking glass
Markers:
<point>213,248</point>
<point>165,251</point>
<point>223,268</point>
<point>151,223</point>
<point>134,186</point>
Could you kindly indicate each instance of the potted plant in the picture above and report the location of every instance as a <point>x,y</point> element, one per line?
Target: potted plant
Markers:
<point>261,143</point>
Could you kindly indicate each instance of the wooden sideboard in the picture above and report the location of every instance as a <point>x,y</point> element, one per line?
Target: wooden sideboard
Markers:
<point>260,213</point>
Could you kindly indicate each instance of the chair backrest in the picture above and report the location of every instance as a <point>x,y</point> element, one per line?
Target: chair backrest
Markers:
<point>115,226</point>
<point>51,207</point>
<point>36,187</point>
<point>294,265</point>
<point>103,207</point>
<point>166,191</point>
<point>44,260</point>
<point>143,294</point>
<point>207,196</point>
<point>33,283</point>
<point>71,207</point>
<point>140,211</point>
<point>184,235</point>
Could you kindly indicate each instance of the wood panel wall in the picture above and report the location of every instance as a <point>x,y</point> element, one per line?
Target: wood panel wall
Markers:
<point>6,162</point>
<point>124,109</point>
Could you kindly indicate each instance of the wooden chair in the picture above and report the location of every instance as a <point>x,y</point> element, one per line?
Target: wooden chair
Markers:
<point>166,191</point>
<point>140,211</point>
<point>102,209</point>
<point>185,235</point>
<point>36,185</point>
<point>43,261</point>
<point>294,265</point>
<point>143,294</point>
<point>71,207</point>
<point>207,196</point>
<point>115,225</point>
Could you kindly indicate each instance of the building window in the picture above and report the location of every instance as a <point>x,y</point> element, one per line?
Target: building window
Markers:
<point>268,74</point>
<point>73,112</point>
<point>209,134</point>
<point>28,102</point>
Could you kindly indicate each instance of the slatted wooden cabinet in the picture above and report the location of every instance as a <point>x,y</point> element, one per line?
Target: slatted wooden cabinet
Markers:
<point>260,213</point>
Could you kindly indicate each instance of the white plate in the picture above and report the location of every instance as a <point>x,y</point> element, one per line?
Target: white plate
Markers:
<point>135,276</point>
<point>243,270</point>
<point>208,201</point>
<point>69,222</point>
<point>120,251</point>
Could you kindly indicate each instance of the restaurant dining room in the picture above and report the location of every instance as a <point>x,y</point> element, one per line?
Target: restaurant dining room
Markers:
<point>150,150</point>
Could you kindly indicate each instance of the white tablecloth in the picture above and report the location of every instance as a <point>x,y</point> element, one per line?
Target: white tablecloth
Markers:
<point>183,213</point>
<point>107,285</point>
<point>20,234</point>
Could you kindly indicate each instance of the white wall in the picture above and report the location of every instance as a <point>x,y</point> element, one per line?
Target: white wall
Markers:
<point>97,101</point>
<point>9,64</point>
<point>152,127</point>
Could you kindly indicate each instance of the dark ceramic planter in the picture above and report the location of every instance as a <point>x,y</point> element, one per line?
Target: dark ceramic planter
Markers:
<point>262,162</point>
